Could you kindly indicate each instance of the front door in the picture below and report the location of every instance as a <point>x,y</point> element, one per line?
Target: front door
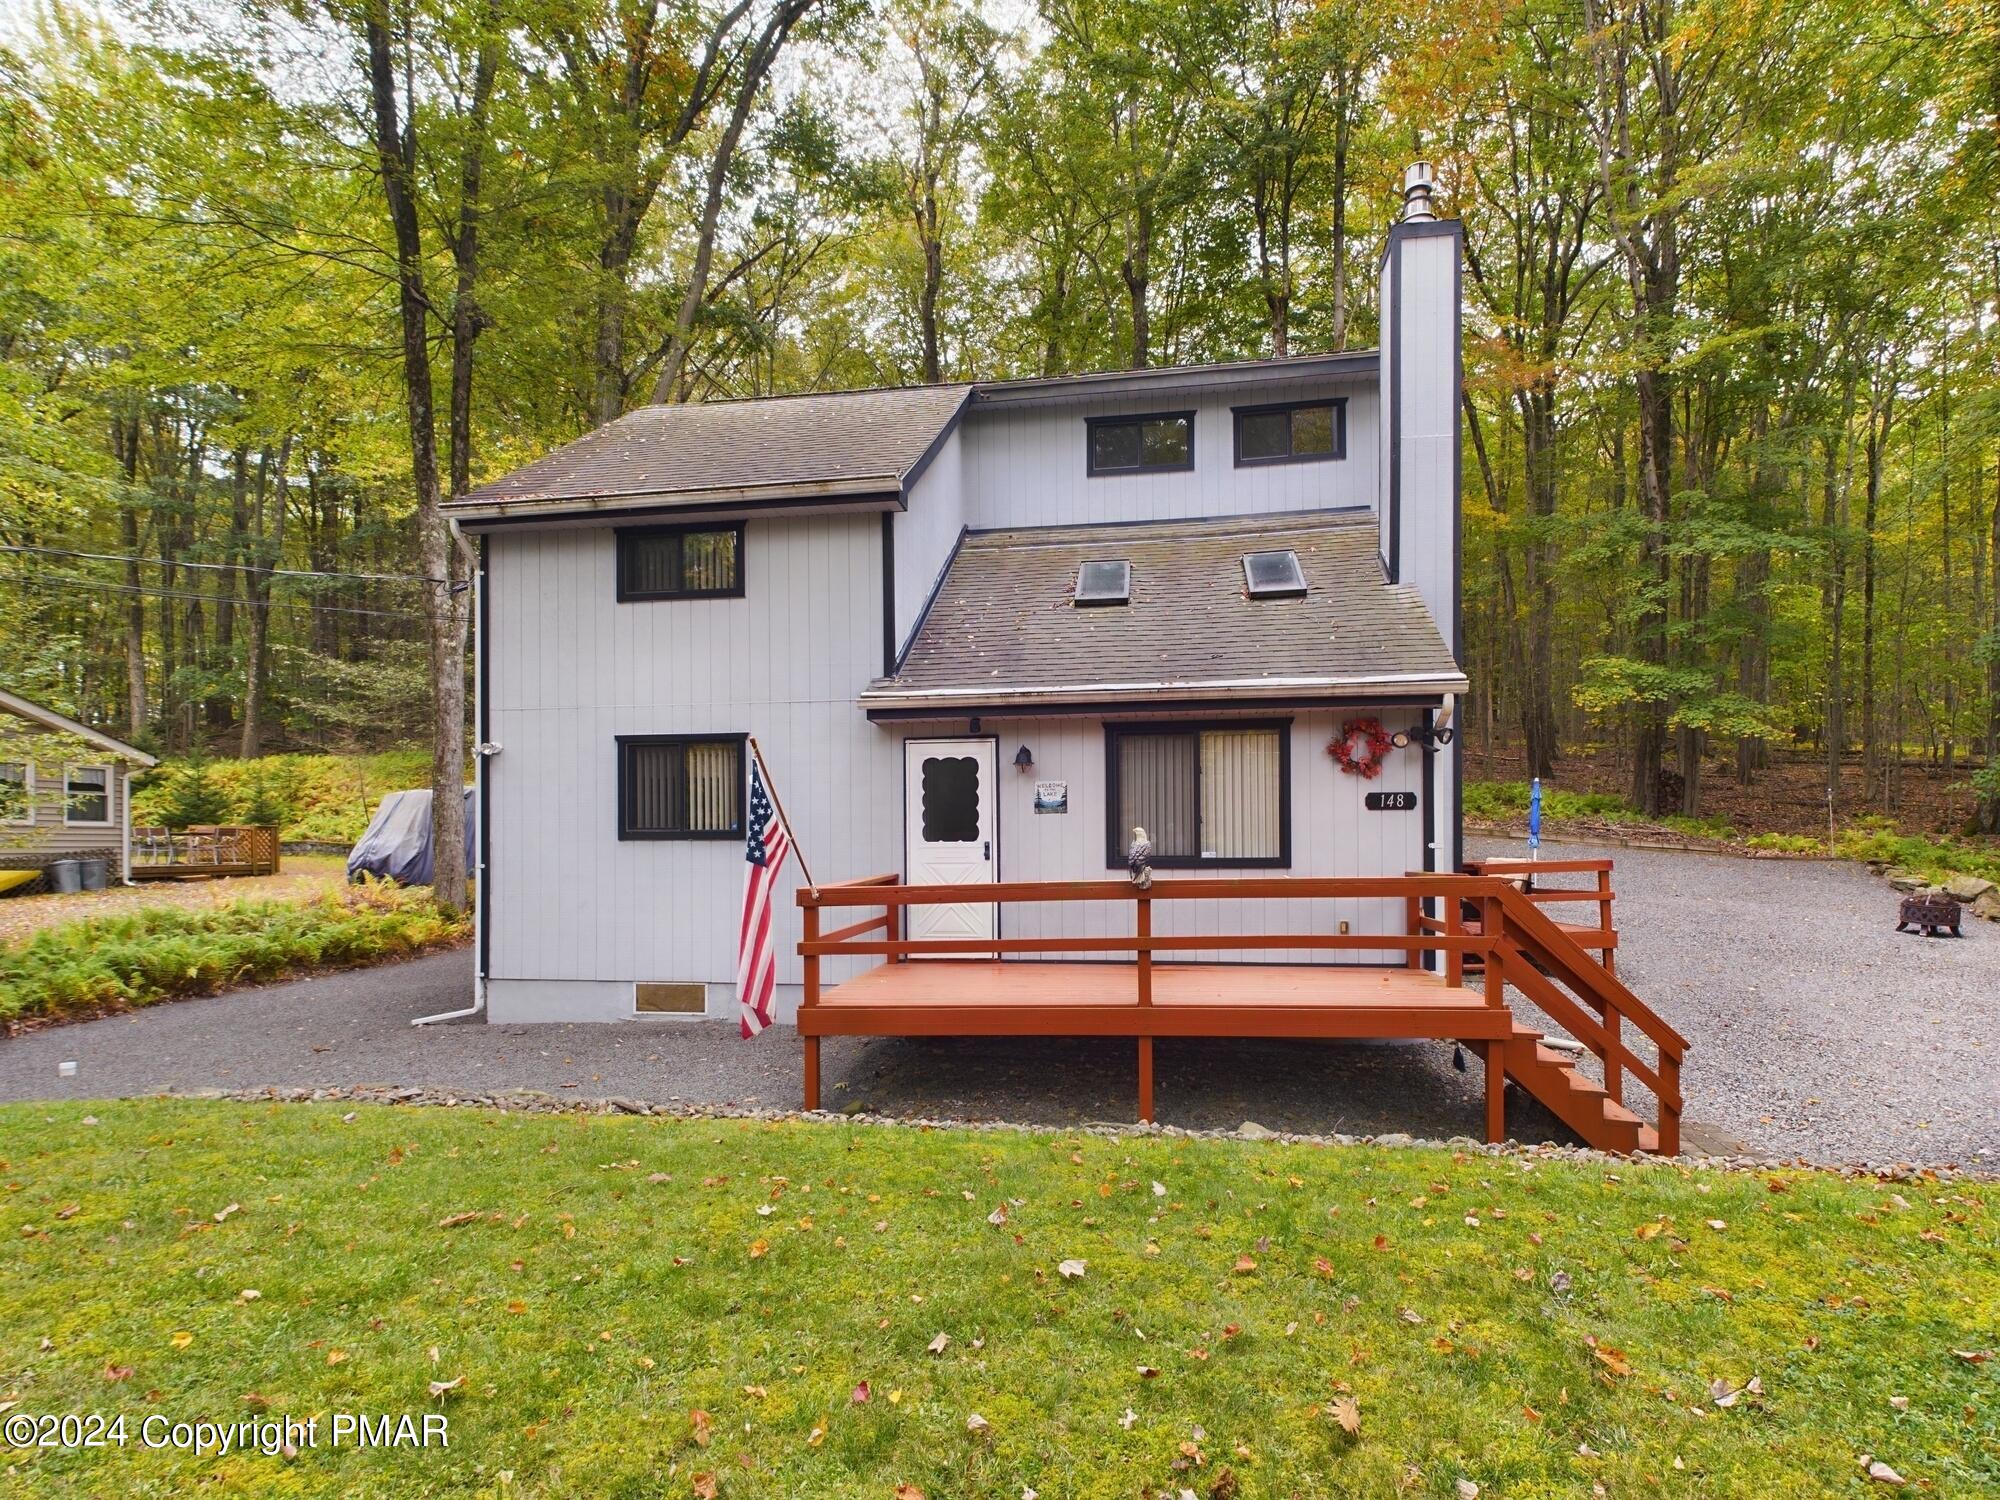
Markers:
<point>949,822</point>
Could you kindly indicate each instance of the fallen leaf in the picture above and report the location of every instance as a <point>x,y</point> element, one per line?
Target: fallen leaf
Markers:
<point>759,1249</point>
<point>1409,1315</point>
<point>248,1294</point>
<point>336,1356</point>
<point>705,1487</point>
<point>181,1339</point>
<point>1245,1265</point>
<point>860,1395</point>
<point>1651,1231</point>
<point>1465,1489</point>
<point>1881,1473</point>
<point>977,1423</point>
<point>1612,1359</point>
<point>1147,1372</point>
<point>1559,1281</point>
<point>441,1387</point>
<point>1901,1403</point>
<point>1973,1356</point>
<point>908,1492</point>
<point>937,1345</point>
<point>699,1423</point>
<point>1347,1412</point>
<point>116,1373</point>
<point>816,1436</point>
<point>234,1208</point>
<point>1070,1269</point>
<point>998,1216</point>
<point>1159,1190</point>
<point>452,1221</point>
<point>1128,1419</point>
<point>895,1398</point>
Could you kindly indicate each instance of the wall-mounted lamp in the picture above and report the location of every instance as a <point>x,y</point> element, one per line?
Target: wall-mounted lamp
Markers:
<point>1024,760</point>
<point>1430,736</point>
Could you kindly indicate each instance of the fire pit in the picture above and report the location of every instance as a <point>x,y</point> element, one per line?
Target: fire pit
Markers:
<point>1932,913</point>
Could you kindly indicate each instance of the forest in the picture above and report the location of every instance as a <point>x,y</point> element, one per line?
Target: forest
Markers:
<point>276,275</point>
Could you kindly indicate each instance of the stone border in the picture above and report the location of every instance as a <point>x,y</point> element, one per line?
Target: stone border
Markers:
<point>535,1101</point>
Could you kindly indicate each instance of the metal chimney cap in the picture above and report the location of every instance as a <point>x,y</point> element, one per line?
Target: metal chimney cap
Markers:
<point>1419,187</point>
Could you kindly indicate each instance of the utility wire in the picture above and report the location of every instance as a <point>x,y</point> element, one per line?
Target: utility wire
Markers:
<point>55,580</point>
<point>221,567</point>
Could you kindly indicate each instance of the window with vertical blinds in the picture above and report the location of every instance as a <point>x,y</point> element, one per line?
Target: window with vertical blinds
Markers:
<point>680,562</point>
<point>680,787</point>
<point>1216,794</point>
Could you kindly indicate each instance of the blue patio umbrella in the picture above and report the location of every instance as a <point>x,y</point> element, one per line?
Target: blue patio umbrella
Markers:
<point>1535,819</point>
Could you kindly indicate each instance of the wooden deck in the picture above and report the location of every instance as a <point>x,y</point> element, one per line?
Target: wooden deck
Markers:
<point>989,997</point>
<point>1026,986</point>
<point>204,853</point>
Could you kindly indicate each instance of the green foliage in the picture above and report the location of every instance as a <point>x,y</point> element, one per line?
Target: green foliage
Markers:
<point>621,1309</point>
<point>1507,802</point>
<point>166,953</point>
<point>190,795</point>
<point>1936,859</point>
<point>320,798</point>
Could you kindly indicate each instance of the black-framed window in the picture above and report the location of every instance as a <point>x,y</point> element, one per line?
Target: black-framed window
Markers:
<point>17,792</point>
<point>87,795</point>
<point>680,562</point>
<point>1209,795</point>
<point>1156,443</point>
<point>680,786</point>
<point>1294,432</point>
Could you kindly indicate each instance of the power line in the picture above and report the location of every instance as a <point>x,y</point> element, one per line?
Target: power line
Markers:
<point>51,580</point>
<point>220,567</point>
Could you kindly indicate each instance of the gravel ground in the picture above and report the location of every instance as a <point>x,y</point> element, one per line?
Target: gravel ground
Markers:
<point>300,878</point>
<point>1817,1031</point>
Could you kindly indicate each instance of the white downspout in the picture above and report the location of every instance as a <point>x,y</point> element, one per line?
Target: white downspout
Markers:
<point>124,773</point>
<point>480,755</point>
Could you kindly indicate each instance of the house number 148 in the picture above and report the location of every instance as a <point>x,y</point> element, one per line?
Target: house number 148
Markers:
<point>1390,801</point>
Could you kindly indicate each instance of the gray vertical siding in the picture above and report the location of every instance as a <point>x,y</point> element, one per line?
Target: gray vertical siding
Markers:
<point>927,532</point>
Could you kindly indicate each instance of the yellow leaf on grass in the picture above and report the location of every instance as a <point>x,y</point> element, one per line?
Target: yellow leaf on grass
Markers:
<point>181,1339</point>
<point>759,1249</point>
<point>336,1356</point>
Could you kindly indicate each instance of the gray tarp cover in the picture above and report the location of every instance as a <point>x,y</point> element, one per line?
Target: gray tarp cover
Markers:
<point>397,845</point>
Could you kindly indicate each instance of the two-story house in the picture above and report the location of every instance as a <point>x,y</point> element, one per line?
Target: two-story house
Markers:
<point>980,632</point>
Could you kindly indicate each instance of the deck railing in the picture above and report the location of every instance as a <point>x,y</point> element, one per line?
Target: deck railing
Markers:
<point>234,848</point>
<point>1514,941</point>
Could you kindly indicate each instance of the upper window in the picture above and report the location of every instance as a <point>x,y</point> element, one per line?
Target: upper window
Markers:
<point>17,792</point>
<point>1153,444</point>
<point>681,562</point>
<point>1300,432</point>
<point>1206,794</point>
<point>87,794</point>
<point>1274,575</point>
<point>1104,583</point>
<point>680,786</point>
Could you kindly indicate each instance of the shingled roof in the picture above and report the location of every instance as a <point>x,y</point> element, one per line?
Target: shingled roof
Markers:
<point>1002,628</point>
<point>841,444</point>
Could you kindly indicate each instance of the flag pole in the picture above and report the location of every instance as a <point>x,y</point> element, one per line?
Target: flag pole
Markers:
<point>771,786</point>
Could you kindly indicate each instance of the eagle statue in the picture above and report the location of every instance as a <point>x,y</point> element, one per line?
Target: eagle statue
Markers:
<point>1136,855</point>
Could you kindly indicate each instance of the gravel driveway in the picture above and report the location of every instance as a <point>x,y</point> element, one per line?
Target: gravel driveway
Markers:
<point>1816,1031</point>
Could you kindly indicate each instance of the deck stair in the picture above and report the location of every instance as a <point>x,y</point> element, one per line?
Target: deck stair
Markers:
<point>1584,1106</point>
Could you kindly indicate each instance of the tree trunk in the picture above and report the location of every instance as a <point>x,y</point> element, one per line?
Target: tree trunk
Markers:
<point>125,437</point>
<point>396,152</point>
<point>269,547</point>
<point>1538,457</point>
<point>1136,272</point>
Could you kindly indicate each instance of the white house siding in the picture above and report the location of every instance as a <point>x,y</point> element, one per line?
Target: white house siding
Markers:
<point>1332,835</point>
<point>577,916</point>
<point>927,532</point>
<point>1027,467</point>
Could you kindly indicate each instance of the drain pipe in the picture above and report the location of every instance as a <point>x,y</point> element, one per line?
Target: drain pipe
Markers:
<point>484,751</point>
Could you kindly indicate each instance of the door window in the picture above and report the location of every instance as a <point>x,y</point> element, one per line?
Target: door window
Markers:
<point>950,796</point>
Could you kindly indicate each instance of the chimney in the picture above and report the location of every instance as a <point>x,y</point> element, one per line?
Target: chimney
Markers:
<point>1419,186</point>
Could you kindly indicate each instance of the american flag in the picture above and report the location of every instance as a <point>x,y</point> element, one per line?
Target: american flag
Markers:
<point>756,955</point>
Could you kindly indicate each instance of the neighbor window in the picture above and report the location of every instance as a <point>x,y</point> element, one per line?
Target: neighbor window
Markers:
<point>87,794</point>
<point>681,562</point>
<point>1141,445</point>
<point>17,792</point>
<point>1215,794</point>
<point>676,786</point>
<point>1294,433</point>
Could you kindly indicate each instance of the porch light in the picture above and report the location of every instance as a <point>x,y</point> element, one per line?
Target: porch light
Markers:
<point>1024,760</point>
<point>1400,739</point>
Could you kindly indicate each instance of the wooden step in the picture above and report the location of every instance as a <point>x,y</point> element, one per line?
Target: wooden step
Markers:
<point>1582,1105</point>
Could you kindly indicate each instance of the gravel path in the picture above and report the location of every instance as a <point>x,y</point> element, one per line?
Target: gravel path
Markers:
<point>1816,1031</point>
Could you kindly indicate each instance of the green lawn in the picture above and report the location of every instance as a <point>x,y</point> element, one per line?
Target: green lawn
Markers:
<point>627,1321</point>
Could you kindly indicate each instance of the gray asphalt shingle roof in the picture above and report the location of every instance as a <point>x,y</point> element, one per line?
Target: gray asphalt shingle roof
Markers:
<point>839,443</point>
<point>1002,627</point>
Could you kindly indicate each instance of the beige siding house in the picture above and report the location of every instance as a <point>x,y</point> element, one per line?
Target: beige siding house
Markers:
<point>65,791</point>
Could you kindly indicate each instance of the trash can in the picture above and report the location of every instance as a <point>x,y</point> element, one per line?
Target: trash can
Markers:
<point>95,873</point>
<point>66,876</point>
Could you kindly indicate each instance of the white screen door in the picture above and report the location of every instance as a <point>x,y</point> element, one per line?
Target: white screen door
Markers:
<point>948,831</point>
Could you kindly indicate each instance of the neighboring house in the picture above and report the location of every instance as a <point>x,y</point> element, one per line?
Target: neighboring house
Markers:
<point>980,632</point>
<point>74,802</point>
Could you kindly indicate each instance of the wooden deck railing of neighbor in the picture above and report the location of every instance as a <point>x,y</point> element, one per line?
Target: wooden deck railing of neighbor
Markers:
<point>1127,986</point>
<point>204,853</point>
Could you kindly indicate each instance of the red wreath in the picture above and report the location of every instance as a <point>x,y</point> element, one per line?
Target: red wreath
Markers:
<point>1341,748</point>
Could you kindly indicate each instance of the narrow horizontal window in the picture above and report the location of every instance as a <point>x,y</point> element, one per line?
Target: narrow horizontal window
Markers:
<point>1104,583</point>
<point>17,792</point>
<point>1213,795</point>
<point>680,562</point>
<point>87,794</point>
<point>1141,445</point>
<point>1298,432</point>
<point>680,787</point>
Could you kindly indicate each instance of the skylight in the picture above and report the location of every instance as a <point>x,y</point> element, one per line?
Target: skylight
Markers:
<point>1274,575</point>
<point>1099,583</point>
